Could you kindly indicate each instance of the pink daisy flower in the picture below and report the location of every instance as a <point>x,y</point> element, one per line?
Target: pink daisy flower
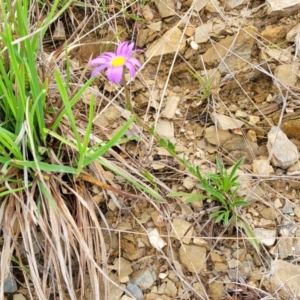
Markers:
<point>115,62</point>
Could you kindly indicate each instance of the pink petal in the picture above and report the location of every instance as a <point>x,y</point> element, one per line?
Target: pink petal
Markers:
<point>104,58</point>
<point>134,61</point>
<point>114,74</point>
<point>125,49</point>
<point>131,68</point>
<point>98,69</point>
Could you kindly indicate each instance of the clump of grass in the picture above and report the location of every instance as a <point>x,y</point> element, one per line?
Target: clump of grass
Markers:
<point>43,152</point>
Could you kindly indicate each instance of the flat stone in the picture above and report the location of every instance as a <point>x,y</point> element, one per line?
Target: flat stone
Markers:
<point>123,267</point>
<point>171,107</point>
<point>156,26</point>
<point>269,213</point>
<point>166,8</point>
<point>294,169</point>
<point>147,12</point>
<point>284,279</point>
<point>170,289</point>
<point>230,4</point>
<point>225,122</point>
<point>182,230</point>
<point>265,236</point>
<point>158,219</point>
<point>275,33</point>
<point>203,33</point>
<point>199,4</point>
<point>169,43</point>
<point>287,75</point>
<point>232,53</point>
<point>135,291</point>
<point>283,6</point>
<point>193,258</point>
<point>284,152</point>
<point>262,167</point>
<point>288,208</point>
<point>291,35</point>
<point>239,147</point>
<point>217,136</point>
<point>144,278</point>
<point>216,289</point>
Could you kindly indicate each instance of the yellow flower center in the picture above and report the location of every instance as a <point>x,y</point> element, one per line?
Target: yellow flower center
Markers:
<point>118,61</point>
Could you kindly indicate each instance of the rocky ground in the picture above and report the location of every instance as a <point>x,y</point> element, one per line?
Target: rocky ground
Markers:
<point>244,103</point>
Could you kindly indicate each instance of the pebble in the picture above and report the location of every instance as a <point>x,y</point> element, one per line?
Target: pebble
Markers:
<point>193,258</point>
<point>285,153</point>
<point>288,208</point>
<point>144,278</point>
<point>135,291</point>
<point>10,285</point>
<point>266,237</point>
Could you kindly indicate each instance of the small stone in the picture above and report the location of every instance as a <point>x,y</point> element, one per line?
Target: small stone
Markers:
<point>216,289</point>
<point>265,236</point>
<point>294,169</point>
<point>157,26</point>
<point>193,258</point>
<point>170,289</point>
<point>291,35</point>
<point>182,230</point>
<point>262,167</point>
<point>269,213</point>
<point>144,278</point>
<point>215,257</point>
<point>155,240</point>
<point>287,74</point>
<point>297,211</point>
<point>123,267</point>
<point>169,43</point>
<point>275,33</point>
<point>225,122</point>
<point>135,291</point>
<point>233,263</point>
<point>147,12</point>
<point>158,219</point>
<point>221,267</point>
<point>241,114</point>
<point>19,297</point>
<point>230,4</point>
<point>189,182</point>
<point>190,31</point>
<point>217,136</point>
<point>10,285</point>
<point>286,272</point>
<point>166,8</point>
<point>199,4</point>
<point>285,153</point>
<point>288,208</point>
<point>203,32</point>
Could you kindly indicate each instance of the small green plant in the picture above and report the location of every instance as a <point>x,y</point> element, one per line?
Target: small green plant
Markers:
<point>221,187</point>
<point>205,85</point>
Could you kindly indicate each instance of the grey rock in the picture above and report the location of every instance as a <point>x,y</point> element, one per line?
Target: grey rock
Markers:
<point>135,291</point>
<point>288,207</point>
<point>144,278</point>
<point>284,152</point>
<point>265,236</point>
<point>10,285</point>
